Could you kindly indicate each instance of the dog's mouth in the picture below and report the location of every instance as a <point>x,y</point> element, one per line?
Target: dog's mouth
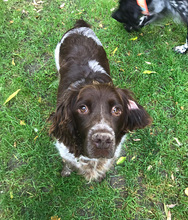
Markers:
<point>100,142</point>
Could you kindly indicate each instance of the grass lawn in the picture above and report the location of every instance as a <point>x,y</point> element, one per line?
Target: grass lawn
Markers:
<point>153,177</point>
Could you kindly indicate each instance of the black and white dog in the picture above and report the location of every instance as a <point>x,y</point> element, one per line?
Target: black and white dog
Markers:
<point>130,11</point>
<point>92,116</point>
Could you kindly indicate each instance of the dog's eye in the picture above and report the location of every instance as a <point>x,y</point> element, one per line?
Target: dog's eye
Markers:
<point>83,109</point>
<point>116,111</point>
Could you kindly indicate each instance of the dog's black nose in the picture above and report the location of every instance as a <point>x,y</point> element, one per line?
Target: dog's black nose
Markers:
<point>102,140</point>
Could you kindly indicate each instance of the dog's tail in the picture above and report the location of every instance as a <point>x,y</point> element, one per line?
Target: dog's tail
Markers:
<point>81,23</point>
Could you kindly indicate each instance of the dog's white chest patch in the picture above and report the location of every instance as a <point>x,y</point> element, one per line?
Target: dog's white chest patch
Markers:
<point>91,168</point>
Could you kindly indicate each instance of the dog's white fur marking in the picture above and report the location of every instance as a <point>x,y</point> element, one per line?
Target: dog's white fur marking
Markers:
<point>102,126</point>
<point>76,84</point>
<point>142,20</point>
<point>91,168</point>
<point>81,163</point>
<point>96,67</point>
<point>57,52</point>
<point>87,32</point>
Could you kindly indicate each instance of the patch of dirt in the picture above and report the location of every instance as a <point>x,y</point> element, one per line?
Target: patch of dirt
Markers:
<point>32,68</point>
<point>118,182</point>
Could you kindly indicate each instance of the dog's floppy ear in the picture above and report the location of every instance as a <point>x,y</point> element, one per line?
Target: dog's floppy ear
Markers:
<point>136,117</point>
<point>62,127</point>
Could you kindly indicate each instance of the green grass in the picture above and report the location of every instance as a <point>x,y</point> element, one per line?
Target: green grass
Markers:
<point>155,171</point>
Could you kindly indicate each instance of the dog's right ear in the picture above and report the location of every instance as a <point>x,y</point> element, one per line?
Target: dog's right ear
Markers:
<point>62,127</point>
<point>136,115</point>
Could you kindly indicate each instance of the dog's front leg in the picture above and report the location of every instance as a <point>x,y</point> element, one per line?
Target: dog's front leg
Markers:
<point>183,48</point>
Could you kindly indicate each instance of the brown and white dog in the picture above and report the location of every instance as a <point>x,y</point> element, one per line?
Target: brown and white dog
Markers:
<point>92,115</point>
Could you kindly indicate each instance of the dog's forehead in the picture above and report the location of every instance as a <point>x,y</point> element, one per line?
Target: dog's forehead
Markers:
<point>99,91</point>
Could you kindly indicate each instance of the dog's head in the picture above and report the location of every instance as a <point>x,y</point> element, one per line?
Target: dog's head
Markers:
<point>128,13</point>
<point>92,120</point>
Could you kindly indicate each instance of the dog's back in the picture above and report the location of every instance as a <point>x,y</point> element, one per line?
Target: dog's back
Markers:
<point>80,55</point>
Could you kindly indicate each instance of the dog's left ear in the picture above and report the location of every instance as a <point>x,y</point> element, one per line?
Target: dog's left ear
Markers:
<point>137,117</point>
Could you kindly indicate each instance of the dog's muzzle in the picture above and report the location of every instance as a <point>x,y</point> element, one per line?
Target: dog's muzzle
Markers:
<point>102,140</point>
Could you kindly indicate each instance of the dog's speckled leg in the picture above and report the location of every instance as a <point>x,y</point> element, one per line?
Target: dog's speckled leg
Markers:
<point>182,49</point>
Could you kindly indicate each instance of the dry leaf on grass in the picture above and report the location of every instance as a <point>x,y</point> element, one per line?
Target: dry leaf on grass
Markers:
<point>186,191</point>
<point>128,53</point>
<point>172,176</point>
<point>37,3</point>
<point>22,122</point>
<point>134,38</point>
<point>120,160</point>
<point>167,212</point>
<point>169,215</point>
<point>13,63</point>
<point>114,51</point>
<point>55,218</point>
<point>36,138</point>
<point>62,5</point>
<point>39,99</point>
<point>137,139</point>
<point>148,72</point>
<point>149,167</point>
<point>11,96</point>
<point>171,206</point>
<point>11,195</point>
<point>177,141</point>
<point>149,63</point>
<point>133,157</point>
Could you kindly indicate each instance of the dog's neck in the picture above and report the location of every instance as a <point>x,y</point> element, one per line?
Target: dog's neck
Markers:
<point>78,75</point>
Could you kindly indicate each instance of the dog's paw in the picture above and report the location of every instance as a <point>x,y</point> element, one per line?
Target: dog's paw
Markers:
<point>181,49</point>
<point>66,171</point>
